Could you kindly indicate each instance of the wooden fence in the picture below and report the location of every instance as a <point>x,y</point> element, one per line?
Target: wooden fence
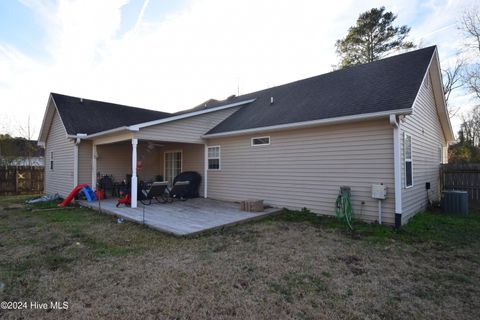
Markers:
<point>21,180</point>
<point>462,176</point>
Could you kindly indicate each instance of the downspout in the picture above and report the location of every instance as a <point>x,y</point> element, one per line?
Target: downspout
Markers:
<point>205,171</point>
<point>79,137</point>
<point>397,170</point>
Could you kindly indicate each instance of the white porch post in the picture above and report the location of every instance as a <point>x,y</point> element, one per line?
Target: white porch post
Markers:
<point>205,172</point>
<point>133,191</point>
<point>94,166</point>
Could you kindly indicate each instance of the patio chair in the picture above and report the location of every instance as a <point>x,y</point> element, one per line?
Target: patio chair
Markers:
<point>194,179</point>
<point>179,190</point>
<point>157,191</point>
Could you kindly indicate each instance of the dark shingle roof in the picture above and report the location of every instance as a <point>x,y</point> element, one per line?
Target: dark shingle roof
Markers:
<point>90,116</point>
<point>384,85</point>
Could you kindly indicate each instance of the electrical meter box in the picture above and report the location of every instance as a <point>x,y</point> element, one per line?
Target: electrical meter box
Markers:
<point>379,191</point>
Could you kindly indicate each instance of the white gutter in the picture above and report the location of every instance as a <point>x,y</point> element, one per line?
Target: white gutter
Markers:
<point>88,136</point>
<point>397,170</point>
<point>306,124</point>
<point>188,115</point>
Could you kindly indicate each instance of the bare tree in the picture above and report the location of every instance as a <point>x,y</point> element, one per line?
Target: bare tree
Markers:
<point>470,25</point>
<point>471,127</point>
<point>452,80</point>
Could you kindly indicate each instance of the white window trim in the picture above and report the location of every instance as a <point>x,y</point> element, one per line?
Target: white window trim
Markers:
<point>165,163</point>
<point>405,159</point>
<point>260,145</point>
<point>219,158</point>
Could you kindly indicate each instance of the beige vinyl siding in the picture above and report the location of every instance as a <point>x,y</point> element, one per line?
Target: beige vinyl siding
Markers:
<point>306,167</point>
<point>427,136</point>
<point>85,162</point>
<point>187,130</point>
<point>60,179</point>
<point>115,159</point>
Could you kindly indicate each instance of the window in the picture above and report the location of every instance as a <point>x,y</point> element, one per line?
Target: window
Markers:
<point>261,141</point>
<point>51,160</point>
<point>214,158</point>
<point>408,161</point>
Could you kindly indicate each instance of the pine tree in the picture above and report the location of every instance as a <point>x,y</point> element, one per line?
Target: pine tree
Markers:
<point>372,38</point>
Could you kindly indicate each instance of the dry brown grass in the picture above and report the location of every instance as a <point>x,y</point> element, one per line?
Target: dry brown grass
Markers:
<point>265,270</point>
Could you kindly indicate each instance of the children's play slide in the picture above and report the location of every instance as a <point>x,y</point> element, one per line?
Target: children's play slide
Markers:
<point>87,191</point>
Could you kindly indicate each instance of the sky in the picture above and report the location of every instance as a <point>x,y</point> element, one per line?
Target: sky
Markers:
<point>172,55</point>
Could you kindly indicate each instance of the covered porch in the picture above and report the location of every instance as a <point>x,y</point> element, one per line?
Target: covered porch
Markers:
<point>182,218</point>
<point>133,161</point>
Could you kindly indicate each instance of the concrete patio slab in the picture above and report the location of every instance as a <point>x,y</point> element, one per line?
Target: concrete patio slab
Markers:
<point>182,218</point>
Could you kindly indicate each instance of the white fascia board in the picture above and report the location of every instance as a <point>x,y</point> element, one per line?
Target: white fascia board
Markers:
<point>444,110</point>
<point>94,135</point>
<point>450,133</point>
<point>188,115</point>
<point>42,134</point>
<point>312,123</point>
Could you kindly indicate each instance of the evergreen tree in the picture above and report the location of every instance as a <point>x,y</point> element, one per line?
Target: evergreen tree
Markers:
<point>372,38</point>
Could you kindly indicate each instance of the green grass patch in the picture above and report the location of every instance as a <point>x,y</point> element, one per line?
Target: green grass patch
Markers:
<point>427,226</point>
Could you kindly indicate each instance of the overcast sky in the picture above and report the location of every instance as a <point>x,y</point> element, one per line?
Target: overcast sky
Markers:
<point>172,55</point>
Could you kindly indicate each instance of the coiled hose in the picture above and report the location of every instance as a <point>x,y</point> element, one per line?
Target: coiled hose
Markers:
<point>343,209</point>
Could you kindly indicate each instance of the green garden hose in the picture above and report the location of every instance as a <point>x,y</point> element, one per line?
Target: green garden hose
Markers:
<point>343,208</point>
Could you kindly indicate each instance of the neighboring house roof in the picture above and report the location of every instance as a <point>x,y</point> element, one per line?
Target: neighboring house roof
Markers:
<point>384,85</point>
<point>91,116</point>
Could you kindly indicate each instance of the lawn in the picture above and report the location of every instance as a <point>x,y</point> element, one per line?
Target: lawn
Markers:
<point>295,265</point>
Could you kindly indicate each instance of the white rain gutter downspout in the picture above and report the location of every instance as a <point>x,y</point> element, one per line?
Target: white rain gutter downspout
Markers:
<point>397,170</point>
<point>78,137</point>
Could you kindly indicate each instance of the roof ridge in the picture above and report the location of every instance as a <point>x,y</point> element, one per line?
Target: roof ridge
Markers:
<point>350,68</point>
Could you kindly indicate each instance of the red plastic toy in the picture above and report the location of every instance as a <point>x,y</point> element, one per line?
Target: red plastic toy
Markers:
<point>126,200</point>
<point>72,194</point>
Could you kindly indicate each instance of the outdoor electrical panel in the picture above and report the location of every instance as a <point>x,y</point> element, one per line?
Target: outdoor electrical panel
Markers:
<point>379,191</point>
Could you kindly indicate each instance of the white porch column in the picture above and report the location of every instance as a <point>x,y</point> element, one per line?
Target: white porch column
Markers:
<point>94,167</point>
<point>75,165</point>
<point>133,191</point>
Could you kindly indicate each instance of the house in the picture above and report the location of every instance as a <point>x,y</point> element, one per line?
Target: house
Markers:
<point>292,145</point>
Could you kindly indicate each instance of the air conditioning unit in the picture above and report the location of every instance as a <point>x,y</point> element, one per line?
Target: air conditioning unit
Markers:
<point>455,202</point>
